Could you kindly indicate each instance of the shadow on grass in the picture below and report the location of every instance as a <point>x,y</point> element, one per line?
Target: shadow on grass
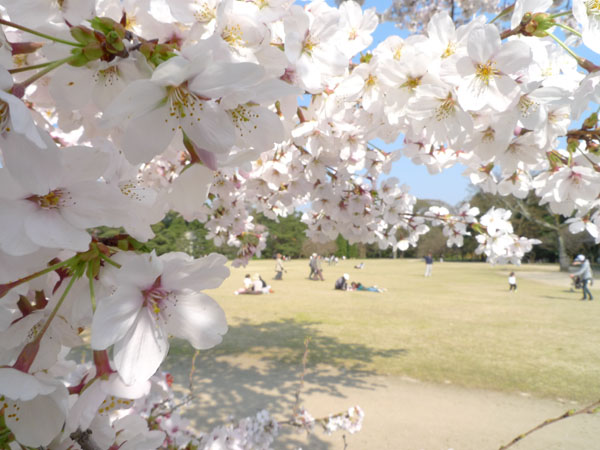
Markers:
<point>260,367</point>
<point>553,297</point>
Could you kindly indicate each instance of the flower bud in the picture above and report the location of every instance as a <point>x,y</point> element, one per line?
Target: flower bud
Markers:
<point>21,48</point>
<point>590,122</point>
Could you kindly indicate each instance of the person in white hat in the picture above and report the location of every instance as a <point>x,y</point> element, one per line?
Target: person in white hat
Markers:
<point>585,272</point>
<point>342,282</point>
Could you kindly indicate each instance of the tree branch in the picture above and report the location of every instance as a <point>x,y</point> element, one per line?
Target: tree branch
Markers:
<point>523,210</point>
<point>590,409</point>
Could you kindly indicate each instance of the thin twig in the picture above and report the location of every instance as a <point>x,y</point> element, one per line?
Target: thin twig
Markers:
<point>304,360</point>
<point>590,409</point>
<point>187,399</point>
<point>192,370</point>
<point>37,33</point>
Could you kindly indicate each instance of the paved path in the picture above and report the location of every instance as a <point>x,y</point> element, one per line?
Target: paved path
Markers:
<point>401,414</point>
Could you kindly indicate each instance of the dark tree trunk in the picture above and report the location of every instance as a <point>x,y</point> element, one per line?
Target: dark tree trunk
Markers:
<point>563,258</point>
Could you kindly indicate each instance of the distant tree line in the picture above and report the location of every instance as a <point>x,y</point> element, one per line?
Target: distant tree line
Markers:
<point>287,236</point>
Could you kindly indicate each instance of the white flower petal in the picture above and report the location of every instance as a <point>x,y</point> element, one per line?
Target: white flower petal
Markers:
<point>198,319</point>
<point>82,164</point>
<point>190,190</point>
<point>139,354</point>
<point>219,79</point>
<point>47,228</point>
<point>21,119</point>
<point>13,237</point>
<point>36,422</point>
<point>115,315</point>
<point>149,135</point>
<point>18,385</point>
<point>208,272</point>
<point>136,99</point>
<point>172,72</point>
<point>37,169</point>
<point>92,204</point>
<point>152,439</point>
<point>138,270</point>
<point>483,43</point>
<point>513,56</point>
<point>210,128</point>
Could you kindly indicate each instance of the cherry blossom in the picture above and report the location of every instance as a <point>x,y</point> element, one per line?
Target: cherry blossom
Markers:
<point>117,112</point>
<point>34,406</point>
<point>51,197</point>
<point>486,71</point>
<point>157,296</point>
<point>14,117</point>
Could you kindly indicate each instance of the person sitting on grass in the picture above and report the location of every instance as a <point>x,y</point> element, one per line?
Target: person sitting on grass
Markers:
<point>358,286</point>
<point>259,285</point>
<point>342,282</point>
<point>266,288</point>
<point>248,286</point>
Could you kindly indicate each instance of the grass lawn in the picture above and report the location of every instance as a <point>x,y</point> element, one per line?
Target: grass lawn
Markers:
<point>460,326</point>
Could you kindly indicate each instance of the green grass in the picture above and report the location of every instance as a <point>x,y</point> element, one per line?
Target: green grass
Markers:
<point>461,325</point>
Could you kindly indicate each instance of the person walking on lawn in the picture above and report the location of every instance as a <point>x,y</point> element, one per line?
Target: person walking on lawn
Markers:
<point>585,272</point>
<point>279,267</point>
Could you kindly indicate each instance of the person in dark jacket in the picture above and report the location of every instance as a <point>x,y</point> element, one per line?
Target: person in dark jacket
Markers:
<point>342,282</point>
<point>428,265</point>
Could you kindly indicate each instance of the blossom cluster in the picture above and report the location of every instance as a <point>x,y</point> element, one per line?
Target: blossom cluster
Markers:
<point>114,112</point>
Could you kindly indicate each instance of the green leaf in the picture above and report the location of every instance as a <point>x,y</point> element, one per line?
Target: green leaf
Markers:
<point>83,34</point>
<point>79,59</point>
<point>93,51</point>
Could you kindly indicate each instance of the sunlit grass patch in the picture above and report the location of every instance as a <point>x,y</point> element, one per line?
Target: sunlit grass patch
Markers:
<point>460,326</point>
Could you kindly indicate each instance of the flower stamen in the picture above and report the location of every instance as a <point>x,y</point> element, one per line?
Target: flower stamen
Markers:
<point>486,72</point>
